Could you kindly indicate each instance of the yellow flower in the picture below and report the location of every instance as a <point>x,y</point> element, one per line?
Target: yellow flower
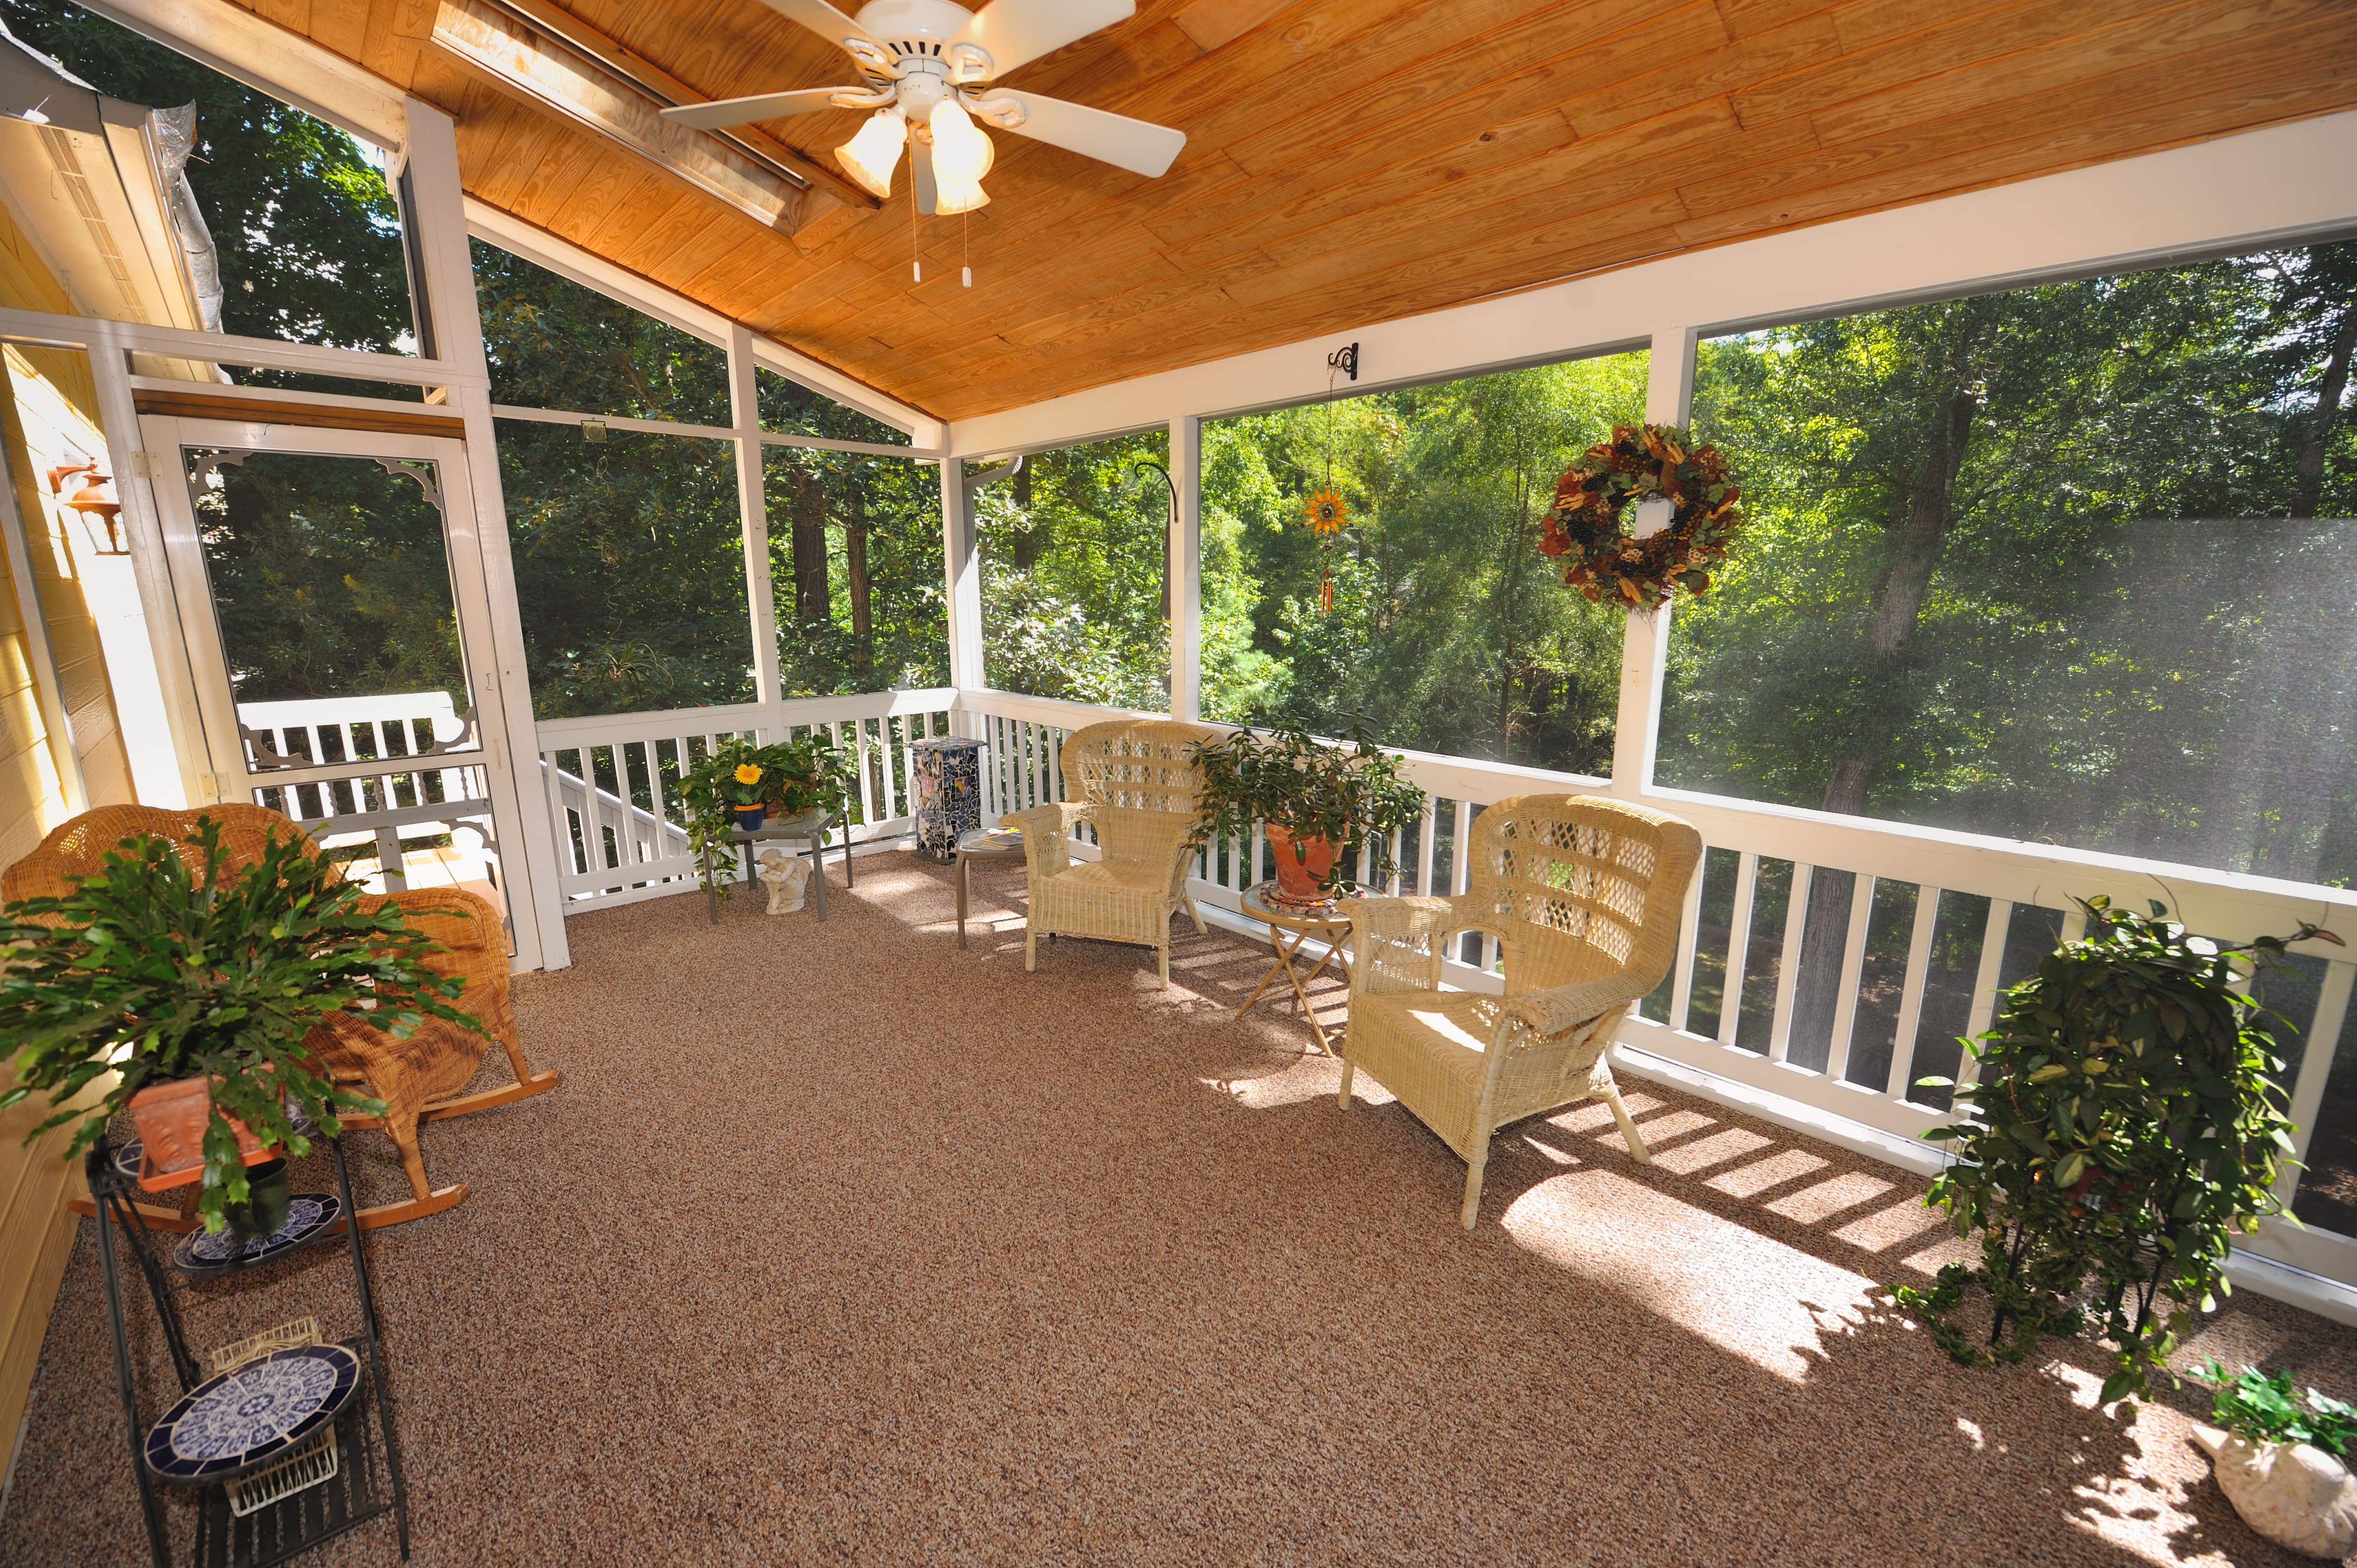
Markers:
<point>748,774</point>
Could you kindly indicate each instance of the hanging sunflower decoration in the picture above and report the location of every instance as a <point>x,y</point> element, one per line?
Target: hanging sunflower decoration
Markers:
<point>1586,532</point>
<point>1327,516</point>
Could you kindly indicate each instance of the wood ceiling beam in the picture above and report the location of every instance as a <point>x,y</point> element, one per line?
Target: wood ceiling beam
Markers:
<point>545,71</point>
<point>646,73</point>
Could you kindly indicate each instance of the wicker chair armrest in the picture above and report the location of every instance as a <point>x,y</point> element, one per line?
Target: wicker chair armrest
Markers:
<point>1046,834</point>
<point>1566,1007</point>
<point>1396,942</point>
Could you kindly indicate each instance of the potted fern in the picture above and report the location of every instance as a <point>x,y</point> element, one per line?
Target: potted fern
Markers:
<point>182,990</point>
<point>1313,800</point>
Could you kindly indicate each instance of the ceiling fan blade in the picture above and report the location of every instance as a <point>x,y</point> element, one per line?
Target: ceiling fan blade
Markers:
<point>1115,139</point>
<point>764,106</point>
<point>1013,32</point>
<point>828,22</point>
<point>921,169</point>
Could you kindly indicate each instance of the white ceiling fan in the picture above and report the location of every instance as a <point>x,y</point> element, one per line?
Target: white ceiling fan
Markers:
<point>931,68</point>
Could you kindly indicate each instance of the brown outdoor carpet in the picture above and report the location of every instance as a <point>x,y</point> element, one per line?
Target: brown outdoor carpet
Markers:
<point>839,1245</point>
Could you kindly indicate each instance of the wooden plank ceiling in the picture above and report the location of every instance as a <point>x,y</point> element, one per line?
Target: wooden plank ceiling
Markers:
<point>1350,161</point>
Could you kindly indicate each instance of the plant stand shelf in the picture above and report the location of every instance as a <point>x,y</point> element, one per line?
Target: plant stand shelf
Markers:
<point>367,1479</point>
<point>811,827</point>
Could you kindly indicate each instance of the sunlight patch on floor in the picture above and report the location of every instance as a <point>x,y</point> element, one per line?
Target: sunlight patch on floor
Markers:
<point>1749,1294</point>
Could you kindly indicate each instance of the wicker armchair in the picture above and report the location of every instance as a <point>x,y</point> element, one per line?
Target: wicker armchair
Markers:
<point>1136,788</point>
<point>1584,895</point>
<point>417,1076</point>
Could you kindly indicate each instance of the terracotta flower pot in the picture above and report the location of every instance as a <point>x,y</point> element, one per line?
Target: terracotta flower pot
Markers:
<point>171,1120</point>
<point>1298,879</point>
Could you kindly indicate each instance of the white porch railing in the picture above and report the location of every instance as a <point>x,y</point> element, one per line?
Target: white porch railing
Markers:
<point>612,782</point>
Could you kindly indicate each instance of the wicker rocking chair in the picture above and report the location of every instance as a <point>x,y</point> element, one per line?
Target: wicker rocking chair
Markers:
<point>1584,895</point>
<point>416,1078</point>
<point>1136,787</point>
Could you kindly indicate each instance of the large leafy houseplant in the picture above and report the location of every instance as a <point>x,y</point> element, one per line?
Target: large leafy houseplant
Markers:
<point>153,970</point>
<point>790,777</point>
<point>2122,1129</point>
<point>1308,794</point>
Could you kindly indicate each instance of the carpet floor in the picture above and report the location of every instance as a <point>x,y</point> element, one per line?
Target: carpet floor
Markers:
<point>841,1245</point>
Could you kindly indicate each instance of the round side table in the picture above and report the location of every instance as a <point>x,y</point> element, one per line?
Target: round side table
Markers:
<point>979,844</point>
<point>1331,927</point>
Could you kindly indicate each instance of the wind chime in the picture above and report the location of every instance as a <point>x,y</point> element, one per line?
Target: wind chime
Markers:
<point>1324,510</point>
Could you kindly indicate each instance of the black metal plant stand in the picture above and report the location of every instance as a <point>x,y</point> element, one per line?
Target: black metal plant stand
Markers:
<point>365,1460</point>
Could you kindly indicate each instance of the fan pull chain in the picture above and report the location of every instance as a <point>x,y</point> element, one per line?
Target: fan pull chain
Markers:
<point>916,267</point>
<point>965,247</point>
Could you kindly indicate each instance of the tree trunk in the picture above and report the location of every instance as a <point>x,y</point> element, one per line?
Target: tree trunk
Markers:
<point>1922,534</point>
<point>854,571</point>
<point>1031,540</point>
<point>2309,489</point>
<point>812,601</point>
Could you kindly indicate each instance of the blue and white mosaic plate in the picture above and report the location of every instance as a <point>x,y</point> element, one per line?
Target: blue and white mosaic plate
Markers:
<point>308,1214</point>
<point>261,1410</point>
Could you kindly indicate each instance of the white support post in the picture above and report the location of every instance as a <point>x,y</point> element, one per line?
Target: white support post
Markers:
<point>753,514</point>
<point>962,567</point>
<point>1187,570</point>
<point>1645,646</point>
<point>502,690</point>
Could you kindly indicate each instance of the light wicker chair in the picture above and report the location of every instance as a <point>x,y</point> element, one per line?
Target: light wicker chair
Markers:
<point>416,1078</point>
<point>1134,784</point>
<point>1584,895</point>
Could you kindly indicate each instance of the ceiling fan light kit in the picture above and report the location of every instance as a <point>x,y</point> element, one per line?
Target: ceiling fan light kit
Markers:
<point>870,156</point>
<point>931,68</point>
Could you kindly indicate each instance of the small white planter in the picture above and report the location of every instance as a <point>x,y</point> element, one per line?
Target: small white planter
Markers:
<point>2298,1497</point>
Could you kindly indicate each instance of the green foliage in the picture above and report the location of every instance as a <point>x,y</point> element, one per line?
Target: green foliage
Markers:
<point>2263,1407</point>
<point>330,579</point>
<point>2021,564</point>
<point>155,971</point>
<point>1075,584</point>
<point>308,237</point>
<point>1342,794</point>
<point>2122,1129</point>
<point>1449,632</point>
<point>795,776</point>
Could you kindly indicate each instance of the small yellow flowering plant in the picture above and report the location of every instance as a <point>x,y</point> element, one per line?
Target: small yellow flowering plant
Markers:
<point>748,792</point>
<point>783,779</point>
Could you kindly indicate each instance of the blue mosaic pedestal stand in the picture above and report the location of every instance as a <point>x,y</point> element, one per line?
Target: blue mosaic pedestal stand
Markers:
<point>948,794</point>
<point>210,1436</point>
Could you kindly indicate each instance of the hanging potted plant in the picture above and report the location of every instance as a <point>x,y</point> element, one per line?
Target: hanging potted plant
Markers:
<point>1313,801</point>
<point>740,784</point>
<point>184,991</point>
<point>2125,1127</point>
<point>2282,1460</point>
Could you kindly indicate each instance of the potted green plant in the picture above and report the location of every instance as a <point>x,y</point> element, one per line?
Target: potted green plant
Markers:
<point>1312,800</point>
<point>183,994</point>
<point>2123,1127</point>
<point>739,777</point>
<point>2281,1459</point>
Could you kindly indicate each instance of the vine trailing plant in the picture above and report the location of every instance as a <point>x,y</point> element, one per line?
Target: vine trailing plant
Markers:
<point>2123,1127</point>
<point>1345,794</point>
<point>788,776</point>
<point>164,964</point>
<point>2263,1407</point>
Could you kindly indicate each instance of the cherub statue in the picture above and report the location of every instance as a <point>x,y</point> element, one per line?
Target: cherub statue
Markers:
<point>787,876</point>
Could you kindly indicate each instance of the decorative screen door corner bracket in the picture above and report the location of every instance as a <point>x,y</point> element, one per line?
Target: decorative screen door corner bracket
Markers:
<point>1345,361</point>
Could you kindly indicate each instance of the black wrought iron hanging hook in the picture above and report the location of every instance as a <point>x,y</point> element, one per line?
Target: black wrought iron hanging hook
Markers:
<point>1345,361</point>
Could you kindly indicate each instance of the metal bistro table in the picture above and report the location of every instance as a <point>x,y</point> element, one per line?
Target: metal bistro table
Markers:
<point>1330,926</point>
<point>810,826</point>
<point>980,843</point>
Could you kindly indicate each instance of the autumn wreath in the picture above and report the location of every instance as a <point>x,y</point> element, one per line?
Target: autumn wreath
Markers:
<point>1585,529</point>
